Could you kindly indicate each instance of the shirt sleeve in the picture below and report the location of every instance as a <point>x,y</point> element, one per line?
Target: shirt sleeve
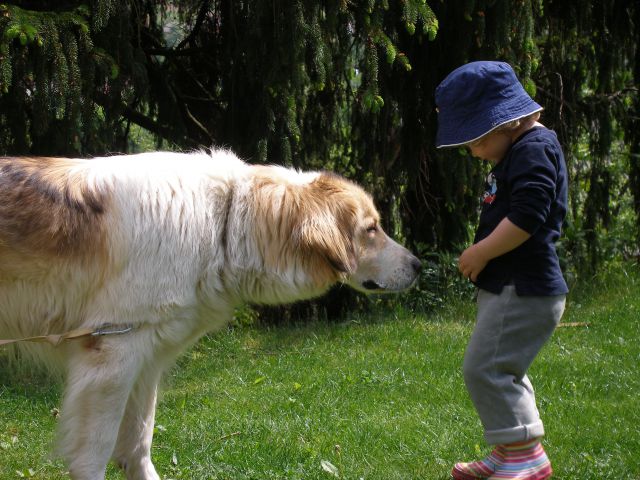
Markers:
<point>532,180</point>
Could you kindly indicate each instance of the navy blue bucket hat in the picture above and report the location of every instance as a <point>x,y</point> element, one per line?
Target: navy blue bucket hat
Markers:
<point>477,98</point>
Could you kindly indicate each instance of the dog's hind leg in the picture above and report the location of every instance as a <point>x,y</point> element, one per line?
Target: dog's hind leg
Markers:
<point>101,374</point>
<point>133,447</point>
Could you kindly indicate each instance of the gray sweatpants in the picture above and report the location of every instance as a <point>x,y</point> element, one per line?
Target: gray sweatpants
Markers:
<point>510,331</point>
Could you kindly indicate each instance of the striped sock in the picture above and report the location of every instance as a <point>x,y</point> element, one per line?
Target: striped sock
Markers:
<point>480,469</point>
<point>523,461</point>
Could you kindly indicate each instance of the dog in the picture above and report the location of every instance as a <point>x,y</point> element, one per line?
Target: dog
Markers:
<point>158,249</point>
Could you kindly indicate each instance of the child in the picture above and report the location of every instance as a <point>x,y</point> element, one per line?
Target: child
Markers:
<point>513,261</point>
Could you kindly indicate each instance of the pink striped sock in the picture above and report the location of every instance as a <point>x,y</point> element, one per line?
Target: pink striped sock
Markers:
<point>480,469</point>
<point>523,461</point>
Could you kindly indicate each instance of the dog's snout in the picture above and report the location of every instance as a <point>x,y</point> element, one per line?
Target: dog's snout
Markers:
<point>416,264</point>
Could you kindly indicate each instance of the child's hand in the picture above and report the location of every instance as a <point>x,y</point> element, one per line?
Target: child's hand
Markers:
<point>472,262</point>
<point>503,239</point>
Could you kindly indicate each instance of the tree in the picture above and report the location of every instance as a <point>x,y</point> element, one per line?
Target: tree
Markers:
<point>61,74</point>
<point>589,86</point>
<point>342,85</point>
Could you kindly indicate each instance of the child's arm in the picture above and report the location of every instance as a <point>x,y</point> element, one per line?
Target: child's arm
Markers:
<point>503,239</point>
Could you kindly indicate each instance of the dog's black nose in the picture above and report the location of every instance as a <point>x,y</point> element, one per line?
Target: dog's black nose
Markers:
<point>416,264</point>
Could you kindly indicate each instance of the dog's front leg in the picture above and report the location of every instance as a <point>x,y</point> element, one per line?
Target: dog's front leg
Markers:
<point>133,447</point>
<point>99,382</point>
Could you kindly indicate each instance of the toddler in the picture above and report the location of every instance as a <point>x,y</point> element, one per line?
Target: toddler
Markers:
<point>513,262</point>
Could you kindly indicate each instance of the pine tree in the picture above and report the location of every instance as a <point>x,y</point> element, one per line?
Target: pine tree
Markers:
<point>341,85</point>
<point>54,72</point>
<point>589,84</point>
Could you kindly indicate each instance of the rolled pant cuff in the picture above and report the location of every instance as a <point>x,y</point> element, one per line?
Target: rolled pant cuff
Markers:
<point>521,433</point>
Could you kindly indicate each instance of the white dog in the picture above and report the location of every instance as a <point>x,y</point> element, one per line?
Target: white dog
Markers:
<point>164,246</point>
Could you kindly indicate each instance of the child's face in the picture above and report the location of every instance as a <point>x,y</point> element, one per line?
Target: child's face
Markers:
<point>492,147</point>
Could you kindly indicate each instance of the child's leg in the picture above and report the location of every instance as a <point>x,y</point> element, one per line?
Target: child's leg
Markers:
<point>509,333</point>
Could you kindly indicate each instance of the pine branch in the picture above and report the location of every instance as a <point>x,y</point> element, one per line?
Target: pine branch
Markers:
<point>197,123</point>
<point>175,52</point>
<point>204,9</point>
<point>147,123</point>
<point>144,121</point>
<point>47,6</point>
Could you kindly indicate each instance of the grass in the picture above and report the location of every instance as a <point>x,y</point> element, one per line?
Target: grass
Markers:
<point>376,397</point>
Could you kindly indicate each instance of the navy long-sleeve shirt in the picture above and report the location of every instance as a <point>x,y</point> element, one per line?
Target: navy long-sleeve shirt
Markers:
<point>529,186</point>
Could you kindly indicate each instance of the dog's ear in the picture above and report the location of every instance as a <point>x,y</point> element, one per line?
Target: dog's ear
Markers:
<point>328,223</point>
<point>330,236</point>
<point>314,222</point>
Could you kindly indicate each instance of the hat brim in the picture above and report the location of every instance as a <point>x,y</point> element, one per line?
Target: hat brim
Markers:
<point>455,132</point>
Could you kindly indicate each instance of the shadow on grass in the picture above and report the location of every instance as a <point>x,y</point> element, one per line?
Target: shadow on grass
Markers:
<point>19,377</point>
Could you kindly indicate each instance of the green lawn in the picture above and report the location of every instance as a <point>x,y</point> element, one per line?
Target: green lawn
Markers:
<point>376,397</point>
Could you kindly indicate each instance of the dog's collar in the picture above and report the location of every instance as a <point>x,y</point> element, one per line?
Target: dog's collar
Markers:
<point>57,339</point>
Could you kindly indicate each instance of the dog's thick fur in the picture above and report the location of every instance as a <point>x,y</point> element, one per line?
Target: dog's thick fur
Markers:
<point>167,243</point>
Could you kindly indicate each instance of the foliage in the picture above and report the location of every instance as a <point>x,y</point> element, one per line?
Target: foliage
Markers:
<point>439,282</point>
<point>589,91</point>
<point>58,77</point>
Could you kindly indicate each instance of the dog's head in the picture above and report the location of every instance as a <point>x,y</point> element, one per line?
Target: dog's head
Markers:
<point>331,227</point>
<point>351,240</point>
